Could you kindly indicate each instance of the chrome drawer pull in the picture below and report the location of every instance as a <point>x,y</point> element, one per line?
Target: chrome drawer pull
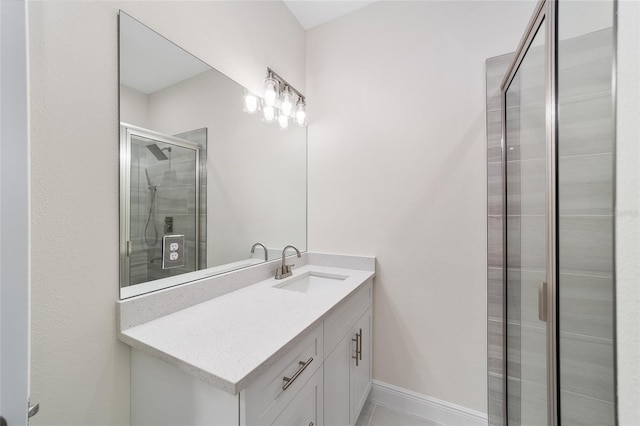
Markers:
<point>357,349</point>
<point>358,340</point>
<point>288,381</point>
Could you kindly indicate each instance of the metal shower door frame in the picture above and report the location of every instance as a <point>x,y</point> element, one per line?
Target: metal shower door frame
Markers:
<point>126,132</point>
<point>545,14</point>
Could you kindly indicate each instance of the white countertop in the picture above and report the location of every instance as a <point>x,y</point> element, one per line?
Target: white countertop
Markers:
<point>229,340</point>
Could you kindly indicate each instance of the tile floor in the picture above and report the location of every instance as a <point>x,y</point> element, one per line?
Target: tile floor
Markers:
<point>378,415</point>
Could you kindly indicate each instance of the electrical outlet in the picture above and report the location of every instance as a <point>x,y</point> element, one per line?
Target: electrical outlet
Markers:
<point>172,251</point>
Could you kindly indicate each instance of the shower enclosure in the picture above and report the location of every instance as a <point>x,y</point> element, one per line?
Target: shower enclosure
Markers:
<point>550,220</point>
<point>161,195</point>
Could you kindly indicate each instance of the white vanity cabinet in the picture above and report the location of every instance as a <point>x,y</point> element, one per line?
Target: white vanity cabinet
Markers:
<point>348,367</point>
<point>164,395</point>
<point>306,408</point>
<point>361,372</point>
<point>270,397</point>
<point>321,377</point>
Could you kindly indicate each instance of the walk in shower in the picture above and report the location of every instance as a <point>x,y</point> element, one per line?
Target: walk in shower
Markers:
<point>162,196</point>
<point>551,139</point>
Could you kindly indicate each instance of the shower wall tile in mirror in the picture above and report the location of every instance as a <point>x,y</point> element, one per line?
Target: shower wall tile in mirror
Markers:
<point>194,164</point>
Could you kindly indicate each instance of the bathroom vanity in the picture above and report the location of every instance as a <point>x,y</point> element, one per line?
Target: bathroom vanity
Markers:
<point>295,351</point>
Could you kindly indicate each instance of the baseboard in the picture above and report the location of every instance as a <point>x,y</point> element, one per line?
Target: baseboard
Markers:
<point>428,408</point>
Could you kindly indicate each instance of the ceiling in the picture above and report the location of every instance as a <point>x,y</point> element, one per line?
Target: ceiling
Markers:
<point>311,13</point>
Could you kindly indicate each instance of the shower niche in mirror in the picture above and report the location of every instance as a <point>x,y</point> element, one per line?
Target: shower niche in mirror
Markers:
<point>201,181</point>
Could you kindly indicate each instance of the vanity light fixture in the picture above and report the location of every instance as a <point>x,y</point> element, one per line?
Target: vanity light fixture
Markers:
<point>301,111</point>
<point>283,120</point>
<point>268,113</point>
<point>250,103</point>
<point>287,102</point>
<point>277,103</point>
<point>270,90</point>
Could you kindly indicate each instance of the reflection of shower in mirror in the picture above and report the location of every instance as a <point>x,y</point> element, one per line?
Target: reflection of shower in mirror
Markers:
<point>169,192</point>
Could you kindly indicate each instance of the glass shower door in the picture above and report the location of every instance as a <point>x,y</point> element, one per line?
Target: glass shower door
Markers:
<point>559,167</point>
<point>525,153</point>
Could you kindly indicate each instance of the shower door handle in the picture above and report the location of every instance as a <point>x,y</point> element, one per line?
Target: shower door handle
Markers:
<point>542,301</point>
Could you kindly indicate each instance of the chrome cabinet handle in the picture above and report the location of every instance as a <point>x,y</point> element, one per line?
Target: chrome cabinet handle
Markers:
<point>357,351</point>
<point>288,381</point>
<point>358,340</point>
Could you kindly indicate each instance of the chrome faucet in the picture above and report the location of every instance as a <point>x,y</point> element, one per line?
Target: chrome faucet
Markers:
<point>284,271</point>
<point>253,249</point>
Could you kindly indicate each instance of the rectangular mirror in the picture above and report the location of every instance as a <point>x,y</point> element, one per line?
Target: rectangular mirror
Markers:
<point>205,188</point>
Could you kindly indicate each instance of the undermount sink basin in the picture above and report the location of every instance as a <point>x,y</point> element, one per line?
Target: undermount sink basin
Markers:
<point>311,282</point>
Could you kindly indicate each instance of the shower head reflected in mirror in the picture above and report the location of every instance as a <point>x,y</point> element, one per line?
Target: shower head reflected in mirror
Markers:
<point>157,152</point>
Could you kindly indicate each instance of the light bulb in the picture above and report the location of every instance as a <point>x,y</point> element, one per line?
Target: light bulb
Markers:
<point>283,120</point>
<point>287,101</point>
<point>301,113</point>
<point>268,113</point>
<point>270,91</point>
<point>250,103</point>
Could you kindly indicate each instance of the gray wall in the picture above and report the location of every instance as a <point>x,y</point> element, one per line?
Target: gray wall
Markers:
<point>586,141</point>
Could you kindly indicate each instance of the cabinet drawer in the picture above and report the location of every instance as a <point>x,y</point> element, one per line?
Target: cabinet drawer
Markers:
<point>306,408</point>
<point>340,321</point>
<point>265,398</point>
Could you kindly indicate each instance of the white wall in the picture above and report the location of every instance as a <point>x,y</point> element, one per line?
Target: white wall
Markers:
<point>134,107</point>
<point>628,213</point>
<point>80,372</point>
<point>397,170</point>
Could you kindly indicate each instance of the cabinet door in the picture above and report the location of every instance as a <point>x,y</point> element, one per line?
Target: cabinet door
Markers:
<point>360,373</point>
<point>305,409</point>
<point>336,383</point>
